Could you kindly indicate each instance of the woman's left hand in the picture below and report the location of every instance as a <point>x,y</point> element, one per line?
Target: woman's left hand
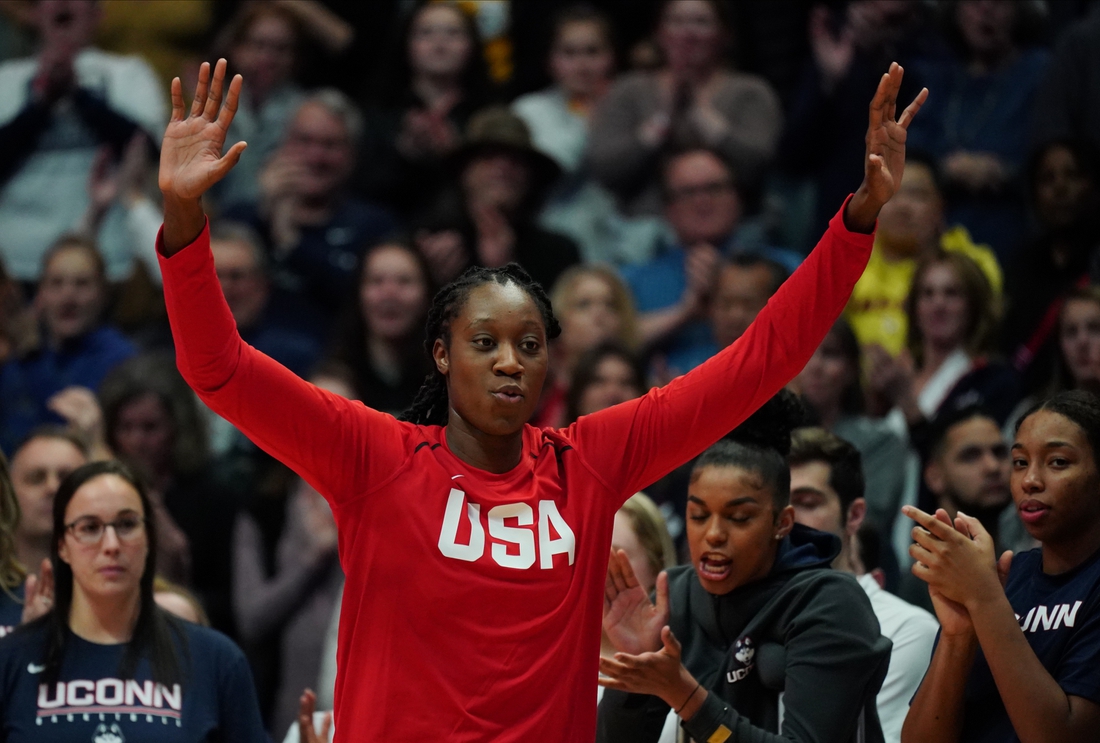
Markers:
<point>659,673</point>
<point>38,593</point>
<point>956,560</point>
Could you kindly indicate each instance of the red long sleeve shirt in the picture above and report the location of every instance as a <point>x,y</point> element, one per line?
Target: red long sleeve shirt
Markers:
<point>473,601</point>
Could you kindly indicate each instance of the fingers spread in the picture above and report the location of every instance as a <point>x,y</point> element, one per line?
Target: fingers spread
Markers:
<point>878,103</point>
<point>177,100</point>
<point>229,110</point>
<point>911,110</point>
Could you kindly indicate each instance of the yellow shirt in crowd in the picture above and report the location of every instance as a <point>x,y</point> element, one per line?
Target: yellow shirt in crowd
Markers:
<point>877,307</point>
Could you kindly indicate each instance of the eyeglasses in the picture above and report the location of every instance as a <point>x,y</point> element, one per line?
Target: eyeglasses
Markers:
<point>90,530</point>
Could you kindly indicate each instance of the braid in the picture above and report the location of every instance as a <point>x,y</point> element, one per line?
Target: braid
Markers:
<point>430,407</point>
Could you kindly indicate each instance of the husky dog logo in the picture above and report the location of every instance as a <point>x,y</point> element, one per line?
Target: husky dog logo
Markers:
<point>743,652</point>
<point>108,734</point>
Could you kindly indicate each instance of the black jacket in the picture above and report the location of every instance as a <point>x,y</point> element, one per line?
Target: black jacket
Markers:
<point>804,638</point>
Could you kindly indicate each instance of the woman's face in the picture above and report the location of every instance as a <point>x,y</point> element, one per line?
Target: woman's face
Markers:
<point>112,566</point>
<point>439,45</point>
<point>1054,479</point>
<point>265,56</point>
<point>589,316</point>
<point>690,34</point>
<point>144,433</point>
<point>71,294</point>
<point>581,60</point>
<point>1079,336</point>
<point>826,375</point>
<point>733,531</point>
<point>613,382</point>
<point>393,293</point>
<point>1060,188</point>
<point>623,537</point>
<point>496,360</point>
<point>942,314</point>
<point>986,25</point>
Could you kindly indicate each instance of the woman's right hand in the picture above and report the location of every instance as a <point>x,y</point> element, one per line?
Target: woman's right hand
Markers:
<point>632,622</point>
<point>306,732</point>
<point>191,159</point>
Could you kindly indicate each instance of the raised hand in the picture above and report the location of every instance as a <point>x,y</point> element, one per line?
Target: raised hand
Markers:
<point>306,732</point>
<point>191,159</point>
<point>632,622</point>
<point>38,593</point>
<point>884,158</point>
<point>956,559</point>
<point>660,673</point>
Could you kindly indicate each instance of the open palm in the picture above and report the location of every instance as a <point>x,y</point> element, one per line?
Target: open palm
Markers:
<point>885,156</point>
<point>191,159</point>
<point>632,622</point>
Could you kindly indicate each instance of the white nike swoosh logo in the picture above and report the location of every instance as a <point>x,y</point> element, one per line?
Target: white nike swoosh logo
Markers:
<point>33,668</point>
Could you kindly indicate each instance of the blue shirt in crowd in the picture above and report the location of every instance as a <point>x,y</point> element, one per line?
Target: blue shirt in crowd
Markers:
<point>1060,617</point>
<point>26,384</point>
<point>11,609</point>
<point>91,703</point>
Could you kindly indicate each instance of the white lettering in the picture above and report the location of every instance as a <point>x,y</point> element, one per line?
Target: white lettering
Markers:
<point>109,692</point>
<point>1027,620</point>
<point>143,693</point>
<point>522,538</point>
<point>1041,615</point>
<point>44,701</point>
<point>448,537</point>
<point>565,544</point>
<point>174,697</point>
<point>75,687</point>
<point>1067,616</point>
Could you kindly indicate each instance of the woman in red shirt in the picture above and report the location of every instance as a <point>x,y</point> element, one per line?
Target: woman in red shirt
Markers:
<point>475,545</point>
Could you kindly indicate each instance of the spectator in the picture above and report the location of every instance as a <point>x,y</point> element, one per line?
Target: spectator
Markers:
<point>18,334</point>
<point>12,572</point>
<point>295,601</point>
<point>848,46</point>
<point>581,63</point>
<point>757,614</point>
<point>1066,104</point>
<point>76,348</point>
<point>831,389</point>
<point>175,599</point>
<point>674,290</point>
<point>56,111</point>
<point>245,280</point>
<point>488,215</point>
<point>314,229</point>
<point>264,45</point>
<point>1062,180</point>
<point>605,375</point>
<point>153,422</point>
<point>106,632</point>
<point>434,82</point>
<point>827,494</point>
<point>382,343</point>
<point>996,674</point>
<point>38,465</point>
<point>911,227</point>
<point>977,123</point>
<point>593,307</point>
<point>953,319</point>
<point>693,100</point>
<point>745,284</point>
<point>967,468</point>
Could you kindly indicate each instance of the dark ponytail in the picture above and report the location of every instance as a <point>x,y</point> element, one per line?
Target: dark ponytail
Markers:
<point>430,407</point>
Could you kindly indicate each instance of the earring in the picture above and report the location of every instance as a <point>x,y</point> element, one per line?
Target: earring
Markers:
<point>778,537</point>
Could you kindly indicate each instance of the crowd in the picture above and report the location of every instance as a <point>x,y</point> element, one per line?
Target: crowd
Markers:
<point>660,170</point>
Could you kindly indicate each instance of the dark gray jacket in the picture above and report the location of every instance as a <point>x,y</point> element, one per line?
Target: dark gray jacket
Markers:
<point>800,647</point>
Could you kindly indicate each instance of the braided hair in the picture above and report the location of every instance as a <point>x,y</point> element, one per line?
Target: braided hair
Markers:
<point>431,404</point>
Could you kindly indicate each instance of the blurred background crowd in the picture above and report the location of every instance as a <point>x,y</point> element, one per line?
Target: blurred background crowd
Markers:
<point>660,167</point>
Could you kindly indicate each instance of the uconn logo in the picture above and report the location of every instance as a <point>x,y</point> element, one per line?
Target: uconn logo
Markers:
<point>514,531</point>
<point>1042,618</point>
<point>109,696</point>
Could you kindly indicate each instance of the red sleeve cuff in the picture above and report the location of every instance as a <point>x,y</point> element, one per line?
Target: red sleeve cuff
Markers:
<point>179,257</point>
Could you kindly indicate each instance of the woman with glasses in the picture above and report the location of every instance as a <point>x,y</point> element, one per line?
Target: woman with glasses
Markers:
<point>107,664</point>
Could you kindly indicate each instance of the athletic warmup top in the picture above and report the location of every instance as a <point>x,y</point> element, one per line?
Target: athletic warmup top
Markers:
<point>11,610</point>
<point>473,602</point>
<point>92,703</point>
